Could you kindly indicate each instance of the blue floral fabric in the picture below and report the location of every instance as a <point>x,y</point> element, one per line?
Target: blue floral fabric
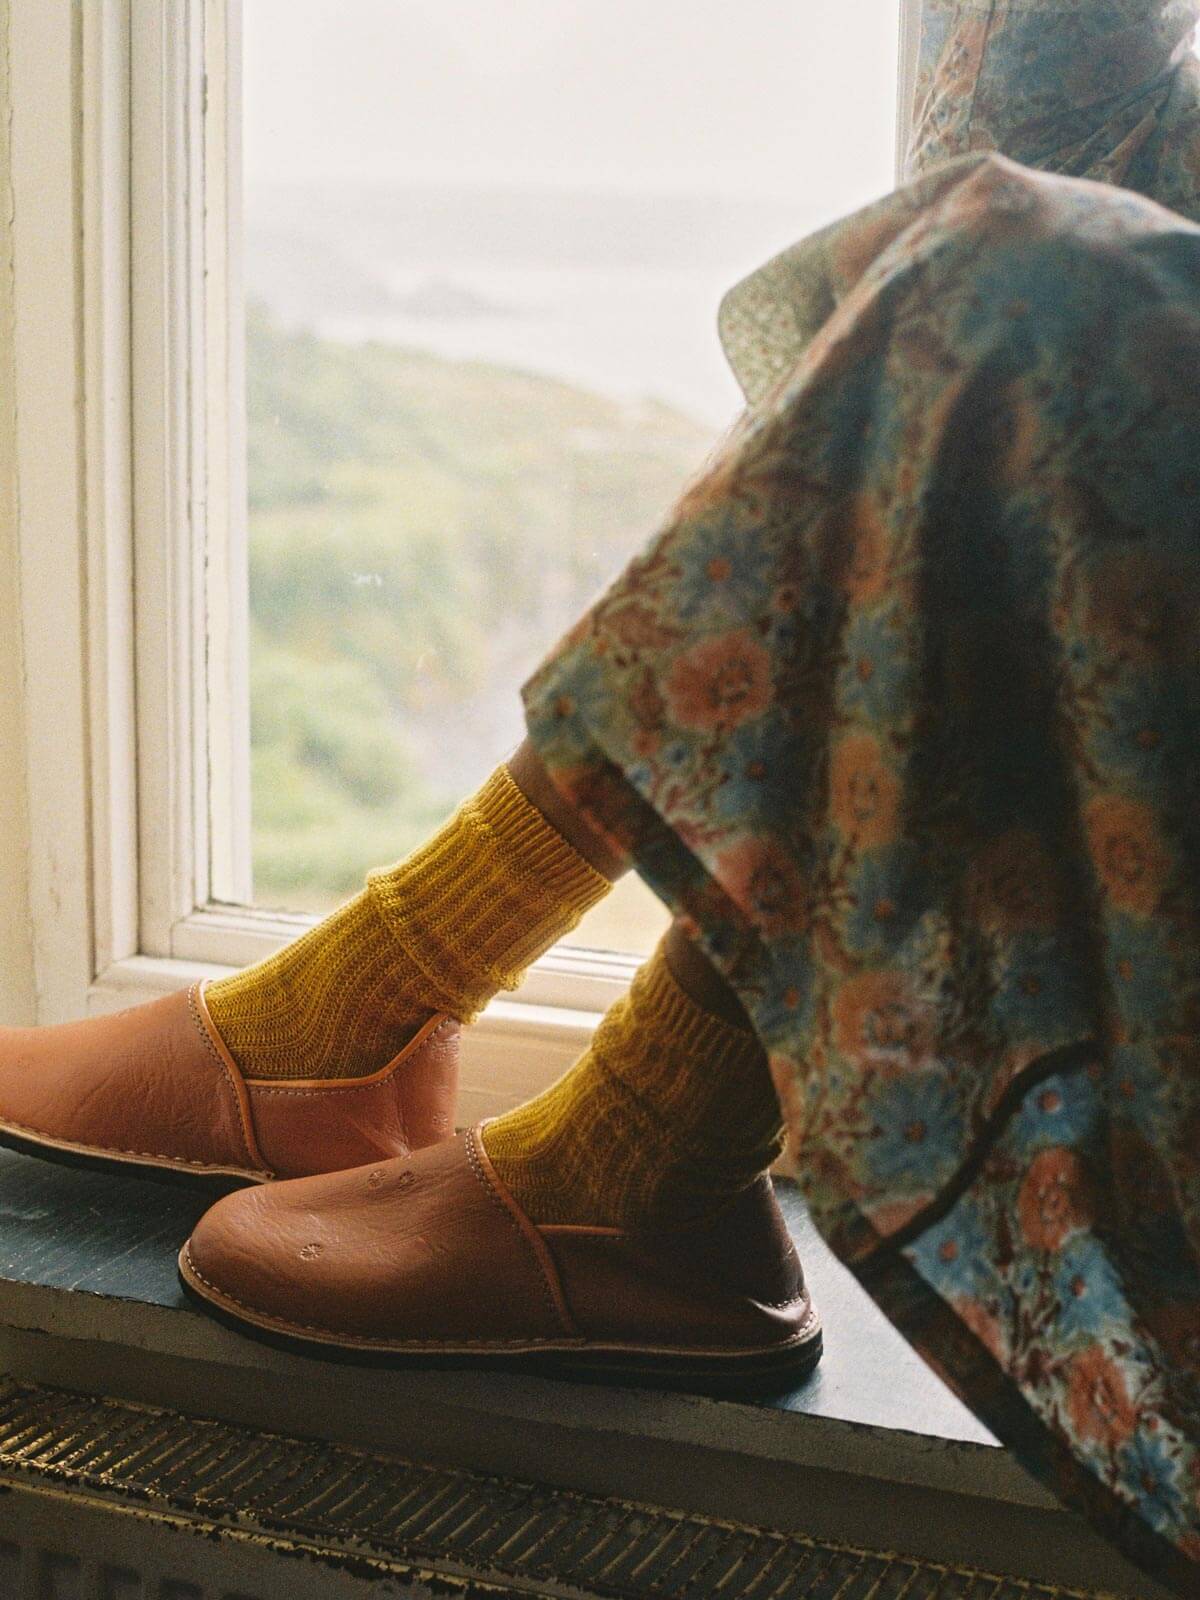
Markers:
<point>898,713</point>
<point>1101,89</point>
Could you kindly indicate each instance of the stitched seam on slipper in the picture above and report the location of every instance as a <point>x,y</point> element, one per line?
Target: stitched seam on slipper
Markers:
<point>481,1176</point>
<point>194,1013</point>
<point>382,1085</point>
<point>115,1150</point>
<point>810,1317</point>
<point>334,1086</point>
<point>453,1345</point>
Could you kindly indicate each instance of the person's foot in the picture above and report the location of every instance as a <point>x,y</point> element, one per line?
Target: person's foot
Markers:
<point>154,1089</point>
<point>341,1048</point>
<point>622,1222</point>
<point>441,932</point>
<point>433,1259</point>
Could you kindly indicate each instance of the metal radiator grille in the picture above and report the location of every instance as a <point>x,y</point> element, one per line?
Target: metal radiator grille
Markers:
<point>412,1522</point>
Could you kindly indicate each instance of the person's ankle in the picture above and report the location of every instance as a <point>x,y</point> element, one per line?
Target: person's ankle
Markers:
<point>440,932</point>
<point>330,1005</point>
<point>669,1111</point>
<point>700,980</point>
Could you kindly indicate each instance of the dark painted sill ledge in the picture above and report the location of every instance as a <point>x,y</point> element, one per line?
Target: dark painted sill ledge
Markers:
<point>874,1450</point>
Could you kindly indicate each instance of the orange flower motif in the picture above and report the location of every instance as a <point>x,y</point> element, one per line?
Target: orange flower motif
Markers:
<point>1128,853</point>
<point>1097,1400</point>
<point>721,683</point>
<point>1053,1200</point>
<point>877,1019</point>
<point>864,792</point>
<point>766,884</point>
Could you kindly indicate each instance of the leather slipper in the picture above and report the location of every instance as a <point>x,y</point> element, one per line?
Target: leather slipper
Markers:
<point>430,1260</point>
<point>153,1088</point>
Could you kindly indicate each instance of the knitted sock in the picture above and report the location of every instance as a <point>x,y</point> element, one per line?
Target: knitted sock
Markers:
<point>445,930</point>
<point>669,1113</point>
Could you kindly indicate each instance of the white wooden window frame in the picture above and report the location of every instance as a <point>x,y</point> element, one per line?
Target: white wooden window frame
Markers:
<point>122,618</point>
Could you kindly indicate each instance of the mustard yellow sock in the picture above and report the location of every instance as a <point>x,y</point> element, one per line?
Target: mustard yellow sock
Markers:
<point>446,929</point>
<point>668,1114</point>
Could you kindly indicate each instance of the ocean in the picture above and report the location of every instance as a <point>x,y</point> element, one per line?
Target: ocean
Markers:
<point>617,293</point>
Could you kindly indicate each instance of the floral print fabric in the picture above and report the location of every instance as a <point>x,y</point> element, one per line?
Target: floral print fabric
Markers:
<point>899,713</point>
<point>1102,89</point>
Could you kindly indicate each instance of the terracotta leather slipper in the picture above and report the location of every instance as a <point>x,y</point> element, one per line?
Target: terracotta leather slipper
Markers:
<point>430,1260</point>
<point>153,1088</point>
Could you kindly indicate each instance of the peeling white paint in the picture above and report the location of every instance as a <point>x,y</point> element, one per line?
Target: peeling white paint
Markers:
<point>43,285</point>
<point>16,931</point>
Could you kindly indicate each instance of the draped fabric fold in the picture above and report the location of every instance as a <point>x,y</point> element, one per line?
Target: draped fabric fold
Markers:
<point>1101,89</point>
<point>1107,90</point>
<point>899,711</point>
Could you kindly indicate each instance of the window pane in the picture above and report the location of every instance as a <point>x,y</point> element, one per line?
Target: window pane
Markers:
<point>484,246</point>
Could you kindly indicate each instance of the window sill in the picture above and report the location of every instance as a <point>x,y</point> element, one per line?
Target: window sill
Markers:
<point>874,1452</point>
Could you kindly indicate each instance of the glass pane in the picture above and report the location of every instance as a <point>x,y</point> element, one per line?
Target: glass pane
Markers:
<point>485,241</point>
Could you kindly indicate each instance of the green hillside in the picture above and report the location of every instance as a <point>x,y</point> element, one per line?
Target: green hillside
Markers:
<point>421,531</point>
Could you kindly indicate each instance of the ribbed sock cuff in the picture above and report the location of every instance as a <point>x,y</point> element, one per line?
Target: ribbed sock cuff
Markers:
<point>668,1113</point>
<point>707,1079</point>
<point>489,893</point>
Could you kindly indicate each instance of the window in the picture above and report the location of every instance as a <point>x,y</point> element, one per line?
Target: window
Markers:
<point>483,246</point>
<point>393,331</point>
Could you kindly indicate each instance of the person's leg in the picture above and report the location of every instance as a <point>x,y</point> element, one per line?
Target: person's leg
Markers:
<point>528,772</point>
<point>668,1114</point>
<point>700,980</point>
<point>458,920</point>
<point>670,1110</point>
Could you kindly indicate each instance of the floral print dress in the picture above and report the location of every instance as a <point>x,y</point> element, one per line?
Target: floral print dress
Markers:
<point>900,713</point>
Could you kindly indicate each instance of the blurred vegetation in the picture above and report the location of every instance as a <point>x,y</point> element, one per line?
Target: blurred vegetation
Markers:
<point>421,531</point>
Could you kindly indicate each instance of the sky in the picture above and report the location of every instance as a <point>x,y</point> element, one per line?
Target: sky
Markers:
<point>764,98</point>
